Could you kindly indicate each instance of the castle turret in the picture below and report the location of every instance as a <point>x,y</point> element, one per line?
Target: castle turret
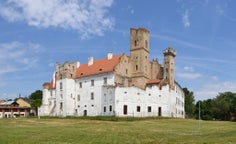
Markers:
<point>169,66</point>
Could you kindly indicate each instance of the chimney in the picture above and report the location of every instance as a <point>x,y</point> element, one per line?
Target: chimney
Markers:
<point>109,55</point>
<point>77,64</point>
<point>90,61</point>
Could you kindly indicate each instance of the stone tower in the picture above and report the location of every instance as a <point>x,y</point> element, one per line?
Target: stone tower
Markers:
<point>139,53</point>
<point>169,65</point>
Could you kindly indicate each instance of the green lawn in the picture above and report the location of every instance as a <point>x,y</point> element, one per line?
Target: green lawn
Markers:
<point>145,131</point>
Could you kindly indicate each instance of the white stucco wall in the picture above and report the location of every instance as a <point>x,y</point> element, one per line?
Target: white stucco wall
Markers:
<point>93,106</point>
<point>69,99</point>
<point>65,97</point>
<point>160,102</point>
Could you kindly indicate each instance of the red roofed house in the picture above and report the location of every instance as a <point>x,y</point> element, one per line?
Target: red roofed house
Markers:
<point>118,85</point>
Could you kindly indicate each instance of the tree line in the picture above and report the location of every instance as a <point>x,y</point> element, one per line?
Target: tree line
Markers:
<point>222,107</point>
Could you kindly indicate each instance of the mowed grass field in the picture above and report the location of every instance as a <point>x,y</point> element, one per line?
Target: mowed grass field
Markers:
<point>141,131</point>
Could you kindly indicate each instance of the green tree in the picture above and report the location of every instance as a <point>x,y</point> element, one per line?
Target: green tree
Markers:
<point>223,106</point>
<point>189,103</point>
<point>36,100</point>
<point>205,109</point>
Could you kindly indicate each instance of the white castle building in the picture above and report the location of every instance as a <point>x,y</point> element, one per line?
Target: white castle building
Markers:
<point>119,85</point>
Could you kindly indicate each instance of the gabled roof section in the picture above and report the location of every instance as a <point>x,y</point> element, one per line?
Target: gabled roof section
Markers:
<point>98,67</point>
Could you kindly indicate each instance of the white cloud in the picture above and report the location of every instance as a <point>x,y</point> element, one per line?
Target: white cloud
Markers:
<point>188,75</point>
<point>212,89</point>
<point>179,41</point>
<point>189,68</point>
<point>17,56</point>
<point>185,19</point>
<point>87,17</point>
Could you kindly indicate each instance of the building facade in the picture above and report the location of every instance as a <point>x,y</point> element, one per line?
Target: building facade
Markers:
<point>12,109</point>
<point>120,85</point>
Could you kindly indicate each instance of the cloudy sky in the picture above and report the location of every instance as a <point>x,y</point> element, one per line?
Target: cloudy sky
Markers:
<point>34,34</point>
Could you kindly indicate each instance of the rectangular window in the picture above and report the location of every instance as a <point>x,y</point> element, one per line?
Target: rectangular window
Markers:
<point>61,106</point>
<point>92,82</point>
<point>105,81</point>
<point>149,109</point>
<point>80,85</point>
<point>138,108</point>
<point>110,108</point>
<point>159,111</point>
<point>92,96</point>
<point>60,85</point>
<point>104,109</point>
<point>125,110</point>
<point>78,97</point>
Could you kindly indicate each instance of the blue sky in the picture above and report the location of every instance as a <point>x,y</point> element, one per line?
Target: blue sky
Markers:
<point>35,34</point>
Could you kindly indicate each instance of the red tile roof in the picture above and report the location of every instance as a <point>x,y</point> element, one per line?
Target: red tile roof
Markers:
<point>98,67</point>
<point>51,86</point>
<point>154,81</point>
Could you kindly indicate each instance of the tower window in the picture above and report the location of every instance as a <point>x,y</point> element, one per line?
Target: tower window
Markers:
<point>146,44</point>
<point>80,85</point>
<point>136,67</point>
<point>60,85</point>
<point>136,43</point>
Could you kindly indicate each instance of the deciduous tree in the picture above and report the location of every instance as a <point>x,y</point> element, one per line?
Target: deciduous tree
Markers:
<point>189,103</point>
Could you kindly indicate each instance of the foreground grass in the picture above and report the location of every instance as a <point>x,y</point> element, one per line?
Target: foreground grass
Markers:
<point>87,131</point>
